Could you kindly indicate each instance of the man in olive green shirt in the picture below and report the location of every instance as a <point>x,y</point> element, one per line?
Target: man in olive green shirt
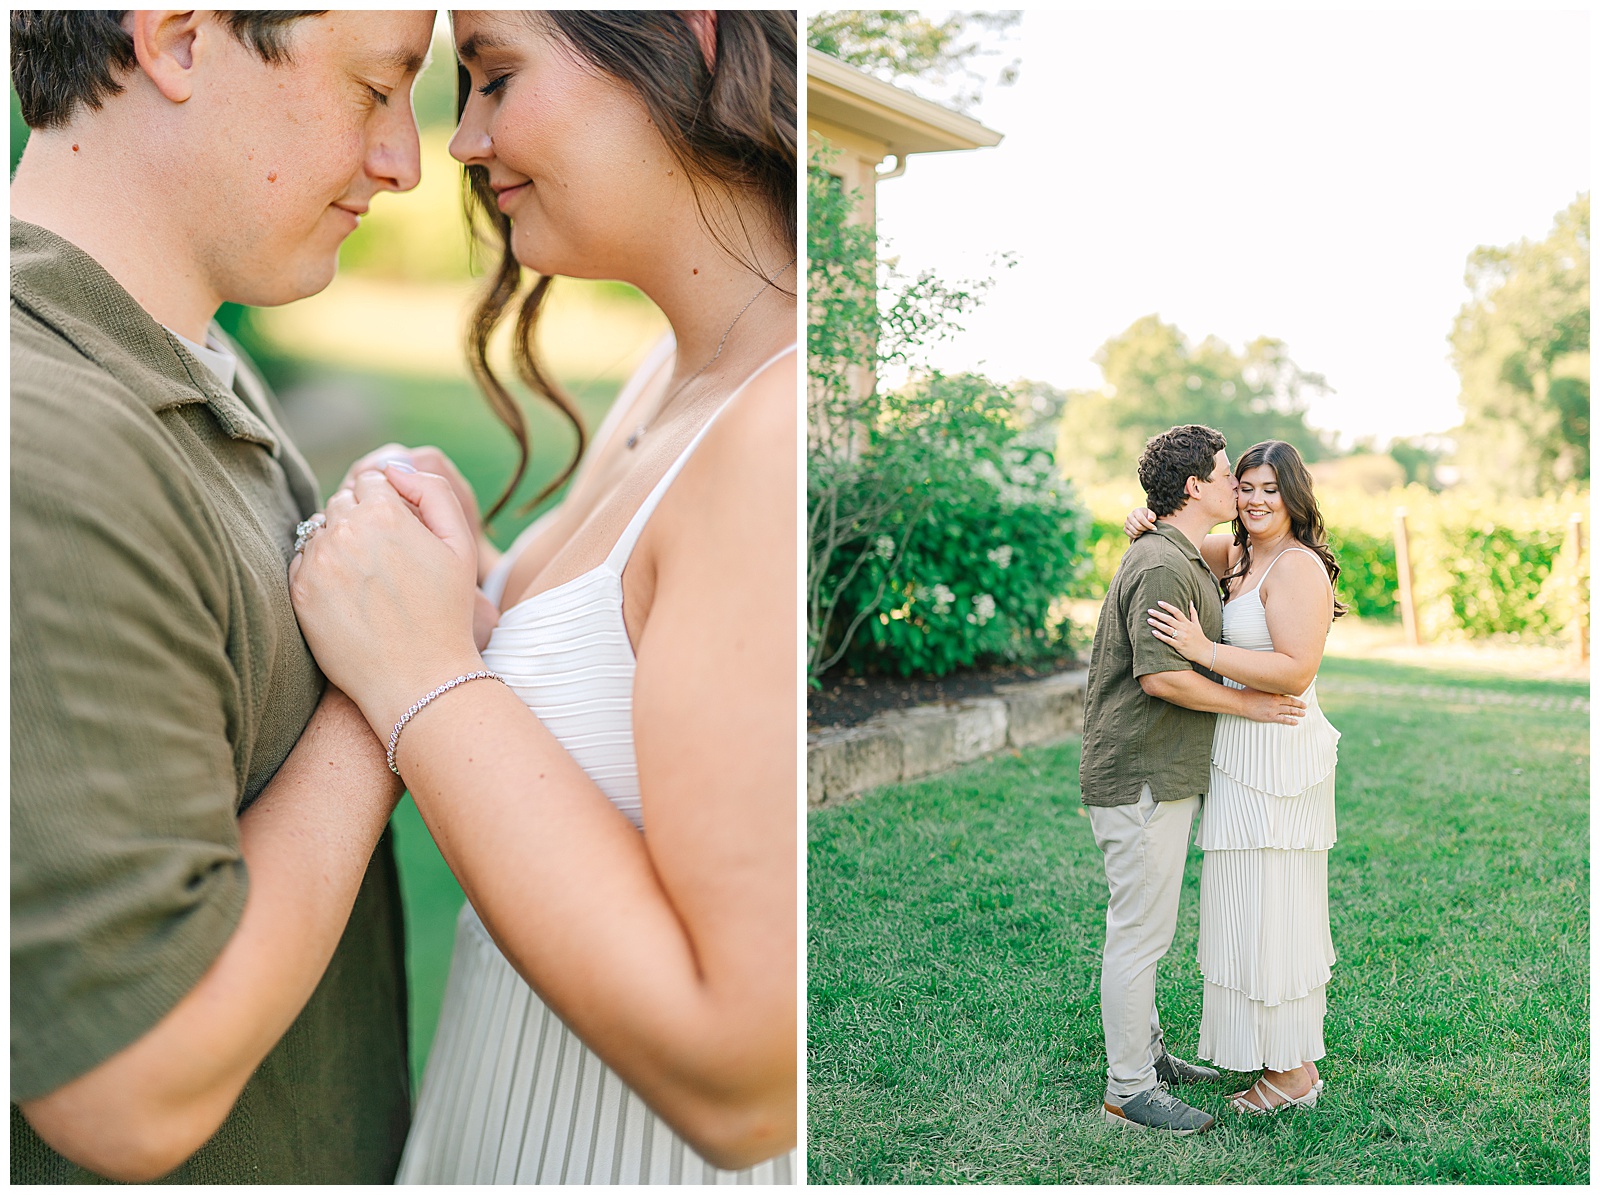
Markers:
<point>1148,720</point>
<point>207,962</point>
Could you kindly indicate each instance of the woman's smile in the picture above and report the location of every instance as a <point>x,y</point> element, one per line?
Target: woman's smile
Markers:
<point>507,197</point>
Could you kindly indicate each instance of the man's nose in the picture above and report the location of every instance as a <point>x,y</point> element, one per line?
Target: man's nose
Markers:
<point>395,160</point>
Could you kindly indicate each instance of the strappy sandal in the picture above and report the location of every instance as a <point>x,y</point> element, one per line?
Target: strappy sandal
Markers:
<point>1241,1102</point>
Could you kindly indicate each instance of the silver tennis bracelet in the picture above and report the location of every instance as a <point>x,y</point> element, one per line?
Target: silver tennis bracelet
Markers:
<point>394,735</point>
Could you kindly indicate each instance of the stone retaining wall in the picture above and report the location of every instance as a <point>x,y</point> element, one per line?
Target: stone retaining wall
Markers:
<point>905,744</point>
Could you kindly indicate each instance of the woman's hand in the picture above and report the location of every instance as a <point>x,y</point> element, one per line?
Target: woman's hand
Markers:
<point>1182,634</point>
<point>430,460</point>
<point>425,460</point>
<point>386,591</point>
<point>1139,520</point>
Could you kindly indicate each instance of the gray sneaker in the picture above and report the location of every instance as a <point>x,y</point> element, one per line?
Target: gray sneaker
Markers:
<point>1158,1108</point>
<point>1172,1070</point>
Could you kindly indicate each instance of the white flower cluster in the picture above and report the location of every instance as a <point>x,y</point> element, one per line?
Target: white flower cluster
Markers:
<point>1001,556</point>
<point>884,546</point>
<point>982,609</point>
<point>943,596</point>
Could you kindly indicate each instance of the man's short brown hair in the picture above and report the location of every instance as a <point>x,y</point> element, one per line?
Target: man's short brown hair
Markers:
<point>1170,459</point>
<point>61,58</point>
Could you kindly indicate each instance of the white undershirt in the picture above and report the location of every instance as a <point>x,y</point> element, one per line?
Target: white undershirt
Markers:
<point>222,364</point>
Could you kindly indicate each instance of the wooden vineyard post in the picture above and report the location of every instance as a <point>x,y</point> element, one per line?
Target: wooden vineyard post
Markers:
<point>1402,561</point>
<point>1580,599</point>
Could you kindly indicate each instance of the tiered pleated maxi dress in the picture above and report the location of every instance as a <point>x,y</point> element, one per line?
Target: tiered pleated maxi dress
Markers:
<point>510,1094</point>
<point>1266,825</point>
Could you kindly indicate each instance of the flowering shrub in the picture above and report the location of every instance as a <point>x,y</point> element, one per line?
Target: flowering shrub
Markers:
<point>991,536</point>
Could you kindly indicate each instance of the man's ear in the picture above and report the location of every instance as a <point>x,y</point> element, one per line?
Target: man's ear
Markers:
<point>165,44</point>
<point>703,23</point>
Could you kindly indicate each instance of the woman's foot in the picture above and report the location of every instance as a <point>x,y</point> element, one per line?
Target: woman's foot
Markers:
<point>1275,1089</point>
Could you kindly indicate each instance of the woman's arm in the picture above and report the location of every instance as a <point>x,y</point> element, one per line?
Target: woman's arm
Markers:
<point>1217,550</point>
<point>672,955</point>
<point>1298,614</point>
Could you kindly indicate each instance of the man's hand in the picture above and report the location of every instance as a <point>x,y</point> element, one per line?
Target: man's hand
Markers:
<point>1272,707</point>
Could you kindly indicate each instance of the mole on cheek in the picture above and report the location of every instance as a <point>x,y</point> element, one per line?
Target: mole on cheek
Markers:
<point>273,177</point>
<point>74,149</point>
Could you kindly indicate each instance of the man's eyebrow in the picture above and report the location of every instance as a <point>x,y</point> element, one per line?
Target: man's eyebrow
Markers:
<point>404,61</point>
<point>477,43</point>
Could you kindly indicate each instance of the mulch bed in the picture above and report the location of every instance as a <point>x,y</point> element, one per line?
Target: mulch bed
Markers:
<point>851,700</point>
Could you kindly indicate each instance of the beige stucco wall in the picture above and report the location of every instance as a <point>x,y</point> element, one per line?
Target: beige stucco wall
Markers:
<point>856,162</point>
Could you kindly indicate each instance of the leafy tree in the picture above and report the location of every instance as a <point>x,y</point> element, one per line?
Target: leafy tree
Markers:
<point>1418,456</point>
<point>1521,346</point>
<point>1155,378</point>
<point>903,47</point>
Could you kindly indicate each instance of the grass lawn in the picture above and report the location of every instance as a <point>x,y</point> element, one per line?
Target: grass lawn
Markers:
<point>956,924</point>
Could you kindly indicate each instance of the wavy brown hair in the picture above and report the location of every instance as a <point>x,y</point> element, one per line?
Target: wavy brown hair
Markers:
<point>1299,499</point>
<point>732,124</point>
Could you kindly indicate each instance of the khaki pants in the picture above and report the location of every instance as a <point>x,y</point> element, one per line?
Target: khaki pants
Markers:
<point>1145,846</point>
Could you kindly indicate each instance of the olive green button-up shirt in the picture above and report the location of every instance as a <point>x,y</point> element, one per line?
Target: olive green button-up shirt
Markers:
<point>158,680</point>
<point>1129,737</point>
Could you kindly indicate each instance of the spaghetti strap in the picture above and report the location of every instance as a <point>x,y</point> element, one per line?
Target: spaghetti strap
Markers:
<point>1280,556</point>
<point>617,559</point>
<point>495,583</point>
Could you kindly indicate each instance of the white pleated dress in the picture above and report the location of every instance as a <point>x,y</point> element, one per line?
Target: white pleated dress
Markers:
<point>1266,826</point>
<point>510,1095</point>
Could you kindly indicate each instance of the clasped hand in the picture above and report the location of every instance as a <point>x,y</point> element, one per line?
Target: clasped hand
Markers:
<point>385,591</point>
<point>1182,634</point>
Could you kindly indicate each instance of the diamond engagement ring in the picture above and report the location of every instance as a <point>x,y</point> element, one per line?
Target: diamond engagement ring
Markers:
<point>305,530</point>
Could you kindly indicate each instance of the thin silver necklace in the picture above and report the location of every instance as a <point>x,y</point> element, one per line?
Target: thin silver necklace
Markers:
<point>638,432</point>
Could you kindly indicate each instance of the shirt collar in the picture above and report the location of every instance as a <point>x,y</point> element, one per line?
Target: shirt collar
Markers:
<point>68,290</point>
<point>1168,532</point>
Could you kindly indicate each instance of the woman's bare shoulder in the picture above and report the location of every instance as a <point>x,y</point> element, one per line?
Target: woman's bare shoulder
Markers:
<point>750,454</point>
<point>1297,571</point>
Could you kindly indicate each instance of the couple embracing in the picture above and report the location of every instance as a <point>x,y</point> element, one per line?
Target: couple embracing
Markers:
<point>1201,699</point>
<point>218,690</point>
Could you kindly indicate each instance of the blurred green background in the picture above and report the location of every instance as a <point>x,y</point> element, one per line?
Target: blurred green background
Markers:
<point>378,356</point>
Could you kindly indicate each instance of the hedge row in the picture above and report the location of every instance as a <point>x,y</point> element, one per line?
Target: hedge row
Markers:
<point>1481,567</point>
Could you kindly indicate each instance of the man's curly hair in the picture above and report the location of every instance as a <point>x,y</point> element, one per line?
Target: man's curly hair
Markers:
<point>1170,459</point>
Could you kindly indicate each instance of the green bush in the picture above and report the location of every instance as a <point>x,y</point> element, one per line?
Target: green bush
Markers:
<point>1481,567</point>
<point>1107,543</point>
<point>1495,581</point>
<point>1369,580</point>
<point>967,569</point>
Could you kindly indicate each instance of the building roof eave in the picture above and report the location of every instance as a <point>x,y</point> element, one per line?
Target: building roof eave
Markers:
<point>840,94</point>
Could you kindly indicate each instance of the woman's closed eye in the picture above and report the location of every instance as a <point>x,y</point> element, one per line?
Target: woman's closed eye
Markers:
<point>493,85</point>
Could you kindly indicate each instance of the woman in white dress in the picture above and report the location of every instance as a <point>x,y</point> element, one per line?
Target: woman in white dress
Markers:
<point>1267,821</point>
<point>611,777</point>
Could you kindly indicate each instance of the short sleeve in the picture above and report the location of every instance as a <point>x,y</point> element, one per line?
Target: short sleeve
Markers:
<point>126,876</point>
<point>1157,584</point>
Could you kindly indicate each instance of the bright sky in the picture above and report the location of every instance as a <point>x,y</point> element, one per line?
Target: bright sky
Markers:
<point>1317,177</point>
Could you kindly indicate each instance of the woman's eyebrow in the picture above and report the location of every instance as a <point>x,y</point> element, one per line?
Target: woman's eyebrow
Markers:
<point>477,43</point>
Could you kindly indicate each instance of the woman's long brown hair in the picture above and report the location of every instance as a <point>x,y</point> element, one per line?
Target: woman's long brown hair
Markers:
<point>1299,499</point>
<point>733,124</point>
